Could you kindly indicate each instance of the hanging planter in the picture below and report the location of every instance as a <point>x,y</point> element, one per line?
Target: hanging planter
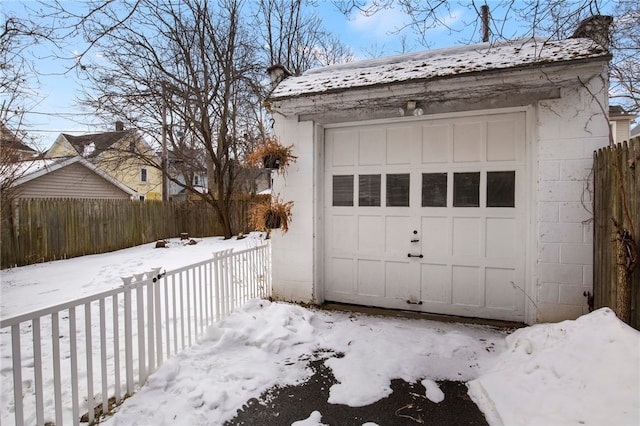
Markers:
<point>271,162</point>
<point>271,155</point>
<point>271,214</point>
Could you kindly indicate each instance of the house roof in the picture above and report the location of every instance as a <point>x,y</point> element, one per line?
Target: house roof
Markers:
<point>8,139</point>
<point>29,170</point>
<point>94,144</point>
<point>618,112</point>
<point>439,63</point>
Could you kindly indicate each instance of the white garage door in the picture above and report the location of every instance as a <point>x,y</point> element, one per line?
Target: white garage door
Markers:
<point>428,215</point>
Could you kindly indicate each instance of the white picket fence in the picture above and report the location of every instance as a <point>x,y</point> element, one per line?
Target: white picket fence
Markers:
<point>82,357</point>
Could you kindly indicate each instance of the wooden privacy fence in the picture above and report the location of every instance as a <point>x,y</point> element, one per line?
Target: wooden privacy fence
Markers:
<point>608,207</point>
<point>41,230</point>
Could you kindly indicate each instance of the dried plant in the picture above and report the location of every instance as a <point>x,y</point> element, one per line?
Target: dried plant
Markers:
<point>271,149</point>
<point>271,213</point>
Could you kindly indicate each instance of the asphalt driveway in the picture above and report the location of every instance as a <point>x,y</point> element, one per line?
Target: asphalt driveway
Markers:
<point>407,405</point>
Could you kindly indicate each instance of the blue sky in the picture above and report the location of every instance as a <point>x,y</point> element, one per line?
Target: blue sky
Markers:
<point>55,108</point>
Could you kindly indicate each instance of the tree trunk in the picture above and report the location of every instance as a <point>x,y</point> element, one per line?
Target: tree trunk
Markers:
<point>625,263</point>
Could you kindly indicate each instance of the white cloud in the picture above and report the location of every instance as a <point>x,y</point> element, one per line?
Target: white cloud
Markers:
<point>380,24</point>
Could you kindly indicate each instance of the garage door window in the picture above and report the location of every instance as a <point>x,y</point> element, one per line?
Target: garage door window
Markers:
<point>369,190</point>
<point>501,189</point>
<point>434,190</point>
<point>343,191</point>
<point>398,190</point>
<point>466,189</point>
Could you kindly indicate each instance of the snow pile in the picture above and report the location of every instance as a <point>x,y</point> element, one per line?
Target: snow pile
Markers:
<point>267,344</point>
<point>585,371</point>
<point>262,345</point>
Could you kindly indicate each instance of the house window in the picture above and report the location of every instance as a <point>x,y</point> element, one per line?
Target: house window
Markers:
<point>434,190</point>
<point>466,189</point>
<point>369,190</point>
<point>141,197</point>
<point>343,190</point>
<point>143,175</point>
<point>398,190</point>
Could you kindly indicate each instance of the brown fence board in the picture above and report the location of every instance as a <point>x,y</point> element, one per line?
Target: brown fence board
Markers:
<point>39,230</point>
<point>608,206</point>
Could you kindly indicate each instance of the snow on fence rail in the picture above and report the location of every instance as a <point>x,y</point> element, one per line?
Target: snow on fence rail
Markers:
<point>72,362</point>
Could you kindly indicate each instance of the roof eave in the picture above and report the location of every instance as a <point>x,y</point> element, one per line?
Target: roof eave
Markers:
<point>601,58</point>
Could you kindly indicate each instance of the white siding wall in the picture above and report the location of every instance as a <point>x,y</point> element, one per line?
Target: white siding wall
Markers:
<point>569,130</point>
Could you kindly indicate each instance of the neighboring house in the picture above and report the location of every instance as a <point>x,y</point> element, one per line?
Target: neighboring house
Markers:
<point>252,180</point>
<point>620,122</point>
<point>635,132</point>
<point>248,180</point>
<point>123,154</point>
<point>71,177</point>
<point>12,148</point>
<point>454,181</point>
<point>182,172</point>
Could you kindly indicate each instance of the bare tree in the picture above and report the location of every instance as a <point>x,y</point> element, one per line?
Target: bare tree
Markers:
<point>190,76</point>
<point>190,62</point>
<point>17,95</point>
<point>295,38</point>
<point>625,68</point>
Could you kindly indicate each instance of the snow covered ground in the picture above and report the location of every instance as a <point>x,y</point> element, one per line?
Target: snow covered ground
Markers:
<point>575,372</point>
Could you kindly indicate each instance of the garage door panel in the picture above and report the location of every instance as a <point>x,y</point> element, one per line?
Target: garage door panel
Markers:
<point>343,235</point>
<point>466,286</point>
<point>400,146</point>
<point>436,283</point>
<point>435,144</point>
<point>467,234</point>
<point>501,238</point>
<point>501,140</point>
<point>372,146</point>
<point>370,234</point>
<point>435,236</point>
<point>500,292</point>
<point>400,277</point>
<point>344,148</point>
<point>397,235</point>
<point>341,278</point>
<point>467,142</point>
<point>371,278</point>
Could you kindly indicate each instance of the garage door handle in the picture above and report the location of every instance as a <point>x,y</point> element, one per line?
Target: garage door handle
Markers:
<point>415,255</point>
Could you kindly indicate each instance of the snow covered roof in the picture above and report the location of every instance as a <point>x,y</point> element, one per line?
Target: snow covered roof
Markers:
<point>439,63</point>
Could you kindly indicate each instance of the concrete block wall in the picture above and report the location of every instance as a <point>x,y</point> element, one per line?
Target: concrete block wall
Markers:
<point>293,253</point>
<point>568,129</point>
